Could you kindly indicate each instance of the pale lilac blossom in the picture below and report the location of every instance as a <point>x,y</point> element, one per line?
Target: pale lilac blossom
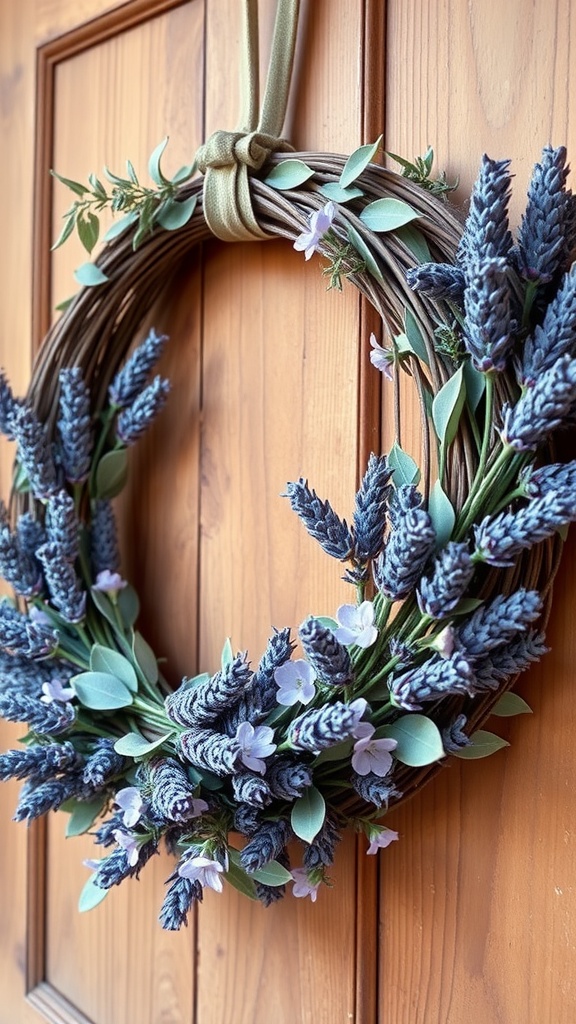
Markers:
<point>295,680</point>
<point>109,582</point>
<point>39,616</point>
<point>382,358</point>
<point>319,223</point>
<point>203,870</point>
<point>129,844</point>
<point>380,839</point>
<point>255,743</point>
<point>356,625</point>
<point>92,863</point>
<point>130,801</point>
<point>55,691</point>
<point>303,886</point>
<point>370,755</point>
<point>359,706</point>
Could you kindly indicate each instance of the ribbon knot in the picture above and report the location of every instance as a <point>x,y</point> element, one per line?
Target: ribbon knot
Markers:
<point>226,149</point>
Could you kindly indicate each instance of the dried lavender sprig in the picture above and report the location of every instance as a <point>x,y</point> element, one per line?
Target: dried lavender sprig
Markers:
<point>278,650</point>
<point>328,657</point>
<point>375,790</point>
<point>115,868</point>
<point>48,796</point>
<point>62,524</point>
<point>439,593</point>
<point>103,764</point>
<point>541,234</point>
<point>320,728</point>
<point>172,795</point>
<point>203,703</point>
<point>247,819</point>
<point>408,548</point>
<point>498,622</point>
<point>436,678</point>
<point>46,719</point>
<point>542,408</point>
<point>557,335</point>
<point>370,509</point>
<point>499,539</point>
<point>557,477</point>
<point>266,844</point>
<point>486,234</point>
<point>63,584</point>
<point>178,901</point>
<point>509,660</point>
<point>453,736</point>
<point>288,778</point>
<point>319,518</point>
<point>251,789</point>
<point>135,419</point>
<point>18,569</point>
<point>487,309</point>
<point>30,533</point>
<point>34,451</point>
<point>38,762</point>
<point>438,281</point>
<point>74,425</point>
<point>132,378</point>
<point>104,550</point>
<point>104,834</point>
<point>20,636</point>
<point>206,748</point>
<point>321,851</point>
<point>9,406</point>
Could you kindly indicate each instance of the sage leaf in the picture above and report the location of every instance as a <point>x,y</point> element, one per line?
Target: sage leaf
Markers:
<point>128,605</point>
<point>442,514</point>
<point>510,704</point>
<point>362,249</point>
<point>111,473</point>
<point>173,213</point>
<point>482,745</point>
<point>88,227</point>
<point>415,241</point>
<point>91,896</point>
<point>154,169</point>
<point>104,605</point>
<point>447,407</point>
<point>184,173</point>
<point>132,173</point>
<point>189,684</point>
<point>227,653</point>
<point>288,174</point>
<point>134,745</point>
<point>308,813</point>
<point>357,162</point>
<point>101,691</point>
<point>75,186</point>
<point>338,751</point>
<point>418,737</point>
<point>272,873</point>
<point>387,214</point>
<point>105,659</point>
<point>467,605</point>
<point>120,225</point>
<point>83,814</point>
<point>145,658</point>
<point>90,275</point>
<point>404,469</point>
<point>237,877</point>
<point>338,194</point>
<point>414,336</point>
<point>327,621</point>
<point>475,384</point>
<point>65,233</point>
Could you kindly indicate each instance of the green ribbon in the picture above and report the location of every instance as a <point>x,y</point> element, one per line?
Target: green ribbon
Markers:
<point>227,157</point>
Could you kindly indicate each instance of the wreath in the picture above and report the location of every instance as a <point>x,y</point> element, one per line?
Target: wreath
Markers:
<point>450,563</point>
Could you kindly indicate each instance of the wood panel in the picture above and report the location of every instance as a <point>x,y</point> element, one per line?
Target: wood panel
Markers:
<point>478,909</point>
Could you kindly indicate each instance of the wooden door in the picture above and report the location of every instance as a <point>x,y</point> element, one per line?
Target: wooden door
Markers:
<point>472,917</point>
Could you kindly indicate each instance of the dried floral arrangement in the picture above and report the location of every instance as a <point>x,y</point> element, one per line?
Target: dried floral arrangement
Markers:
<point>451,564</point>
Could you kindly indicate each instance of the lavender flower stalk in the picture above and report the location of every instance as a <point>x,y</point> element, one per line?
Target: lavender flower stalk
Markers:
<point>321,521</point>
<point>8,408</point>
<point>62,525</point>
<point>375,790</point>
<point>320,728</point>
<point>64,586</point>
<point>130,381</point>
<point>557,335</point>
<point>178,901</point>
<point>509,660</point>
<point>17,567</point>
<point>407,550</point>
<point>203,703</point>
<point>486,235</point>
<point>74,425</point>
<point>487,307</point>
<point>439,593</point>
<point>104,551</point>
<point>266,844</point>
<point>251,789</point>
<point>172,794</point>
<point>39,762</point>
<point>288,778</point>
<point>20,636</point>
<point>436,678</point>
<point>329,658</point>
<point>206,748</point>
<point>46,719</point>
<point>103,764</point>
<point>498,622</point>
<point>34,451</point>
<point>499,539</point>
<point>135,419</point>
<point>438,281</point>
<point>541,234</point>
<point>542,408</point>
<point>370,509</point>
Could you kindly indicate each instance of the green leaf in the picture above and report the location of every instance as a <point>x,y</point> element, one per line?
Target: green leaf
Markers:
<point>327,621</point>
<point>145,658</point>
<point>339,751</point>
<point>91,896</point>
<point>65,233</point>
<point>362,249</point>
<point>511,704</point>
<point>120,225</point>
<point>442,514</point>
<point>387,215</point>
<point>419,740</point>
<point>405,470</point>
<point>447,407</point>
<point>134,745</point>
<point>357,162</point>
<point>467,605</point>
<point>338,194</point>
<point>154,164</point>
<point>88,227</point>
<point>97,186</point>
<point>101,691</point>
<point>414,336</point>
<point>475,384</point>
<point>288,174</point>
<point>112,473</point>
<point>75,186</point>
<point>90,275</point>
<point>128,605</point>
<point>211,781</point>
<point>308,813</point>
<point>132,173</point>
<point>173,213</point>
<point>64,304</point>
<point>104,605</point>
<point>82,815</point>
<point>189,684</point>
<point>184,173</point>
<point>415,241</point>
<point>238,878</point>
<point>482,745</point>
<point>105,659</point>
<point>115,179</point>
<point>272,874</point>
<point>227,653</point>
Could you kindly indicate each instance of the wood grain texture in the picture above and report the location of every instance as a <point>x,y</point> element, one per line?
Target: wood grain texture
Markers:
<point>478,906</point>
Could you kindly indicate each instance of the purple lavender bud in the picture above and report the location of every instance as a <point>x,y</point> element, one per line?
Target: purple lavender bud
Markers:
<point>21,637</point>
<point>8,407</point>
<point>45,719</point>
<point>486,235</point>
<point>247,819</point>
<point>62,582</point>
<point>135,419</point>
<point>103,765</point>
<point>104,552</point>
<point>320,853</point>
<point>34,451</point>
<point>375,790</point>
<point>438,281</point>
<point>542,408</point>
<point>453,737</point>
<point>499,539</point>
<point>18,569</point>
<point>557,477</point>
<point>329,658</point>
<point>62,525</point>
<point>278,650</point>
<point>266,844</point>
<point>203,703</point>
<point>74,425</point>
<point>178,902</point>
<point>30,534</point>
<point>436,678</point>
<point>104,834</point>
<point>322,523</point>
<point>288,778</point>
<point>251,789</point>
<point>408,548</point>
<point>172,795</point>
<point>38,762</point>
<point>130,381</point>
<point>320,728</point>
<point>498,622</point>
<point>370,509</point>
<point>487,309</point>
<point>557,335</point>
<point>439,593</point>
<point>509,660</point>
<point>48,796</point>
<point>115,868</point>
<point>541,234</point>
<point>211,750</point>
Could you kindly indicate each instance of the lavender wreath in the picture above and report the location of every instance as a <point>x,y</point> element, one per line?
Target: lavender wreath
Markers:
<point>451,566</point>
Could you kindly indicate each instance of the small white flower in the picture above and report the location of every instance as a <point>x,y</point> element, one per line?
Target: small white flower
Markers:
<point>255,743</point>
<point>380,839</point>
<point>203,870</point>
<point>295,680</point>
<point>356,625</point>
<point>109,582</point>
<point>129,844</point>
<point>303,886</point>
<point>372,755</point>
<point>56,691</point>
<point>381,358</point>
<point>130,801</point>
<point>319,223</point>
